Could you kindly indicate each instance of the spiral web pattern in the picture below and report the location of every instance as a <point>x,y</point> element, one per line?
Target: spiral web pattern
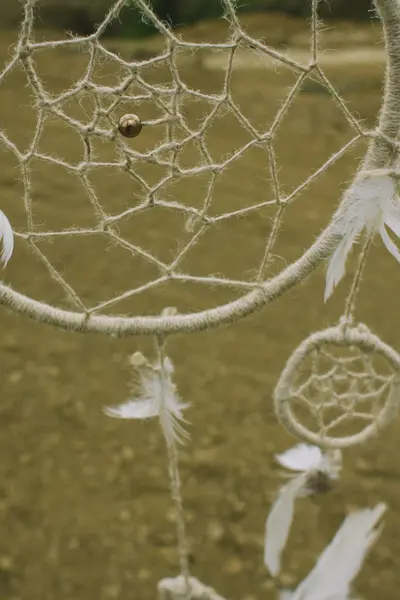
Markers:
<point>106,103</point>
<point>342,373</point>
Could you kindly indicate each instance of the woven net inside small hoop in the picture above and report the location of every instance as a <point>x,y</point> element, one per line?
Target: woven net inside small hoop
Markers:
<point>339,388</point>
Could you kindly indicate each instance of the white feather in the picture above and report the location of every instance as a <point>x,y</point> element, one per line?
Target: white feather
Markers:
<point>157,397</point>
<point>289,595</point>
<point>301,457</point>
<point>372,205</point>
<point>392,217</point>
<point>7,239</point>
<point>279,522</point>
<point>134,409</point>
<point>285,595</point>
<point>390,245</point>
<point>342,560</point>
<point>337,263</point>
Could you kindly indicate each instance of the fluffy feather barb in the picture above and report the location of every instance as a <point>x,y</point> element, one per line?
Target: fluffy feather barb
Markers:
<point>156,397</point>
<point>373,205</point>
<point>174,588</point>
<point>7,239</point>
<point>301,457</point>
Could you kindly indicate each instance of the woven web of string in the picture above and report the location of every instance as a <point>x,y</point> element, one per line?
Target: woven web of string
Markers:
<point>169,99</point>
<point>343,386</point>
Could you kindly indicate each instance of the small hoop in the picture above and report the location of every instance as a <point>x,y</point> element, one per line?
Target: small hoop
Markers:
<point>366,343</point>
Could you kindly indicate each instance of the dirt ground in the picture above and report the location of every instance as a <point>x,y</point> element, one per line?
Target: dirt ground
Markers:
<point>84,503</point>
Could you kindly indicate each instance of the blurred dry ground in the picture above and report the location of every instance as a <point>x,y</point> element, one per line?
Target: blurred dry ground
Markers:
<point>78,15</point>
<point>84,502</point>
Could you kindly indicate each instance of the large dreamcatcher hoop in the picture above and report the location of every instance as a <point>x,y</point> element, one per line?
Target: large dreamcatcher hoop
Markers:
<point>253,294</point>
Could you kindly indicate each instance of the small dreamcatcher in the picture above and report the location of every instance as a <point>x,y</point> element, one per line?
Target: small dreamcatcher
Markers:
<point>339,388</point>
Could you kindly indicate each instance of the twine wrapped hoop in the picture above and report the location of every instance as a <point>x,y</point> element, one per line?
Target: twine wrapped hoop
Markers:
<point>361,385</point>
<point>86,317</point>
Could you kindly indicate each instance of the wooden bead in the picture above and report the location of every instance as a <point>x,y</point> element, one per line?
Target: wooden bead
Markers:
<point>130,126</point>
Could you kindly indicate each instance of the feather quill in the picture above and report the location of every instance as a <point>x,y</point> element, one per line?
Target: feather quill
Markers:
<point>7,239</point>
<point>372,205</point>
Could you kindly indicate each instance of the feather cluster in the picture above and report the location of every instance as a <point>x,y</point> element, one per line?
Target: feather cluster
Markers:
<point>341,561</point>
<point>372,206</point>
<point>6,238</point>
<point>316,470</point>
<point>155,396</point>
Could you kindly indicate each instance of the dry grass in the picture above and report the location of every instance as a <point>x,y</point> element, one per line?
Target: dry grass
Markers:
<point>84,504</point>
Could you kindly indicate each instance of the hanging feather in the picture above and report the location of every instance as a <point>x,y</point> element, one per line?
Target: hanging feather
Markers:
<point>373,205</point>
<point>322,467</point>
<point>317,469</point>
<point>155,396</point>
<point>279,522</point>
<point>7,239</point>
<point>341,561</point>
